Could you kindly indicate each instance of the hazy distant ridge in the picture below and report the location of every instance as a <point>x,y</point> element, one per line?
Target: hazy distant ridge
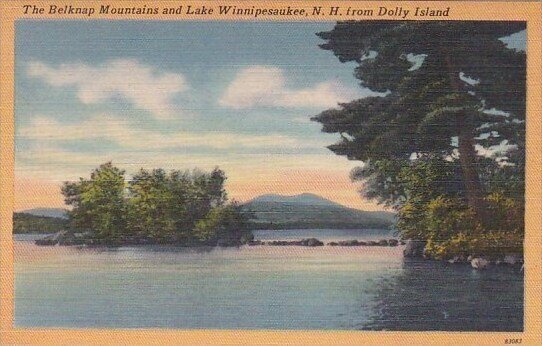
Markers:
<point>47,212</point>
<point>311,211</point>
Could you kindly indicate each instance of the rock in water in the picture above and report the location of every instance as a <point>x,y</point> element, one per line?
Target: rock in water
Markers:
<point>414,248</point>
<point>457,259</point>
<point>479,263</point>
<point>393,242</point>
<point>383,242</point>
<point>512,259</point>
<point>70,239</point>
<point>52,239</point>
<point>314,242</point>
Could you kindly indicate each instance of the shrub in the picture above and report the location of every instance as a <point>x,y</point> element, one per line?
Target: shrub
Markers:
<point>452,229</point>
<point>226,223</point>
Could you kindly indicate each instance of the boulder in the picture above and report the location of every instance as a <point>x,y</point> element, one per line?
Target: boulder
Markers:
<point>457,259</point>
<point>383,242</point>
<point>512,259</point>
<point>255,242</point>
<point>479,263</point>
<point>333,243</point>
<point>414,248</point>
<point>70,239</point>
<point>313,242</point>
<point>303,242</point>
<point>52,239</point>
<point>372,243</point>
<point>393,242</point>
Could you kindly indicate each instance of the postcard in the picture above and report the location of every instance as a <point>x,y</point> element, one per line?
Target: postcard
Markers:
<point>268,173</point>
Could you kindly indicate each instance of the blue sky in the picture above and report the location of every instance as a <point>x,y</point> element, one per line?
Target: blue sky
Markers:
<point>179,95</point>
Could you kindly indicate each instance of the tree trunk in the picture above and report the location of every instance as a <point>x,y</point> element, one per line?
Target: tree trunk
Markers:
<point>467,158</point>
<point>474,191</point>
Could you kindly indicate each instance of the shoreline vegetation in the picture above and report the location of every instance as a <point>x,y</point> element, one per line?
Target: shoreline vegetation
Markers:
<point>411,248</point>
<point>444,142</point>
<point>191,209</point>
<point>26,223</point>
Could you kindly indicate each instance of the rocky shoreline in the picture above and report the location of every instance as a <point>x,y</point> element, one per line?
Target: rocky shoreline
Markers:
<point>416,249</point>
<point>311,242</point>
<point>412,248</point>
<point>82,239</point>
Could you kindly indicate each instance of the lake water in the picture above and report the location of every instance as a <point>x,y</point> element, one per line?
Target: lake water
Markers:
<point>260,287</point>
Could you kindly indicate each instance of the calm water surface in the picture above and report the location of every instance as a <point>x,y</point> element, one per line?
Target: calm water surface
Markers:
<point>260,287</point>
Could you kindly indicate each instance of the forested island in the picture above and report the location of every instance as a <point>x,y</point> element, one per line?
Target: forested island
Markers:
<point>187,208</point>
<point>265,212</point>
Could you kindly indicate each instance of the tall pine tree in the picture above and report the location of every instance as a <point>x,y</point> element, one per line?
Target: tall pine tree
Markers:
<point>447,87</point>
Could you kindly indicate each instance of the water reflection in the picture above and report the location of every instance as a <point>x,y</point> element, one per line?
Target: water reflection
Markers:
<point>428,295</point>
<point>259,287</point>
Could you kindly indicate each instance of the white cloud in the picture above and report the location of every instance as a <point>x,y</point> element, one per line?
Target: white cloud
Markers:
<point>143,86</point>
<point>266,86</point>
<point>101,127</point>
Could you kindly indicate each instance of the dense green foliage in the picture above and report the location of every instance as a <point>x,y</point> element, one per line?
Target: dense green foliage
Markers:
<point>181,207</point>
<point>433,209</point>
<point>227,224</point>
<point>28,223</point>
<point>99,204</point>
<point>418,140</point>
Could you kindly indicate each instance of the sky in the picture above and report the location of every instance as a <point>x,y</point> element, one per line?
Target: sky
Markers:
<point>179,95</point>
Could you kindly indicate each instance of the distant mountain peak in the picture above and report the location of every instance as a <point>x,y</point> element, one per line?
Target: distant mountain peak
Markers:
<point>310,211</point>
<point>300,199</point>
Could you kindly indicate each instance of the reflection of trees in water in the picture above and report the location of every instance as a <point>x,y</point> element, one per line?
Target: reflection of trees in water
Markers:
<point>431,295</point>
<point>151,249</point>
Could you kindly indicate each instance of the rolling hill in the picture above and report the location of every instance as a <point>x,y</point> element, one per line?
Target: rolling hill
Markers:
<point>311,211</point>
<point>29,223</point>
<point>47,212</point>
<point>39,220</point>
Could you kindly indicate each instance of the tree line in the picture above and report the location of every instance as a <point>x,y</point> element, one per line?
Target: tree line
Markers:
<point>449,92</point>
<point>178,207</point>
